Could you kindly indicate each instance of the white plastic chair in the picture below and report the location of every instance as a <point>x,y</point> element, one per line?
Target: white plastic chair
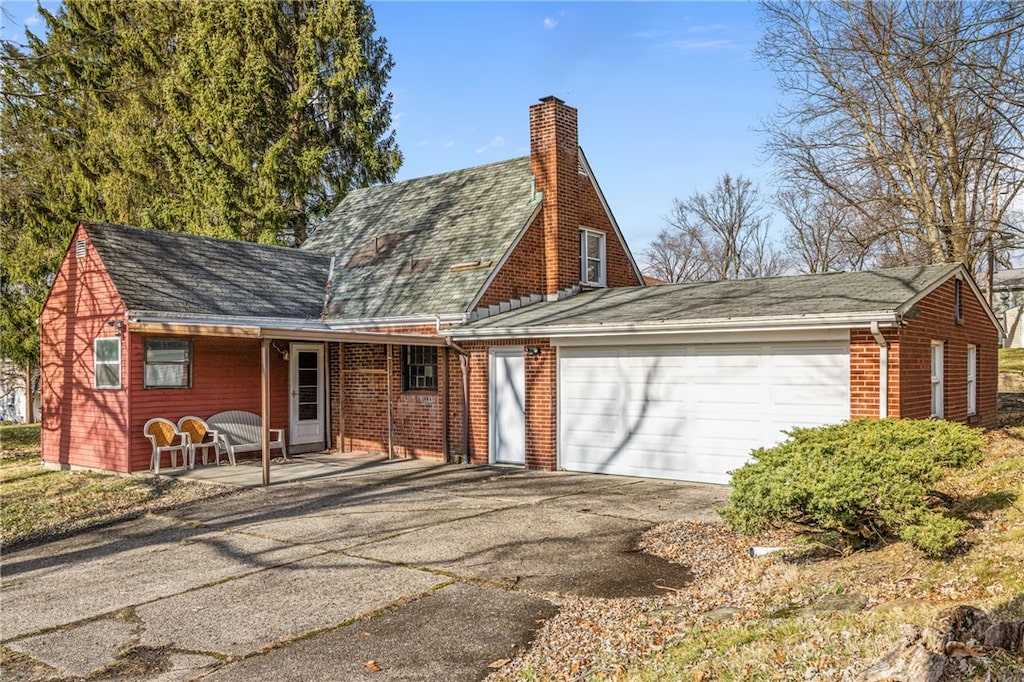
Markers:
<point>198,431</point>
<point>162,433</point>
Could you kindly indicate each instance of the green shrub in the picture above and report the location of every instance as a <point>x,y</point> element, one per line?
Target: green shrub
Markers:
<point>866,480</point>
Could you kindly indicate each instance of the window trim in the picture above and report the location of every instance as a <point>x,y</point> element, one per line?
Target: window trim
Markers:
<point>972,379</point>
<point>96,363</point>
<point>189,362</point>
<point>586,257</point>
<point>407,365</point>
<point>938,407</point>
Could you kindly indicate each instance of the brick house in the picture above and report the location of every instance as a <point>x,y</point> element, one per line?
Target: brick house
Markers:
<point>492,314</point>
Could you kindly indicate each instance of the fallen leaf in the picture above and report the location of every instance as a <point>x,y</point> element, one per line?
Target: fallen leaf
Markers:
<point>372,666</point>
<point>499,663</point>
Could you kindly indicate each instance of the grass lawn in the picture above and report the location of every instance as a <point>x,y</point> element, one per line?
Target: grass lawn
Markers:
<point>39,502</point>
<point>779,637</point>
<point>1011,359</point>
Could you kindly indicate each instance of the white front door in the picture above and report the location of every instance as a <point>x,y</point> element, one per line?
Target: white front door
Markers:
<point>307,396</point>
<point>508,405</point>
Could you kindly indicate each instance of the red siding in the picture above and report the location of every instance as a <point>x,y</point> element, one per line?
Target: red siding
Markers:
<point>225,376</point>
<point>81,425</point>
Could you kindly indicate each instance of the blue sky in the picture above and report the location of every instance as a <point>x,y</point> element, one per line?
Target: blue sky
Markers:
<point>669,96</point>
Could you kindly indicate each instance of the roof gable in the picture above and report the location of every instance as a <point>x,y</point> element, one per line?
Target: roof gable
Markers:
<point>423,246</point>
<point>171,272</point>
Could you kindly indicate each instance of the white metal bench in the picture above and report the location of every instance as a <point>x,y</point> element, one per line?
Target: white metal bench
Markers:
<point>241,431</point>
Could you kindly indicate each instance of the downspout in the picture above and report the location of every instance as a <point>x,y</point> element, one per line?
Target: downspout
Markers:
<point>391,448</point>
<point>883,370</point>
<point>464,371</point>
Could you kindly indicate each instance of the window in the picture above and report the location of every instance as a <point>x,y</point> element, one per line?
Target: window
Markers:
<point>107,362</point>
<point>972,379</point>
<point>419,368</point>
<point>958,297</point>
<point>937,388</point>
<point>592,266</point>
<point>168,363</point>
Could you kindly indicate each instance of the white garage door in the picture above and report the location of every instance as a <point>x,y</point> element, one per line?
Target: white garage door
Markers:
<point>692,412</point>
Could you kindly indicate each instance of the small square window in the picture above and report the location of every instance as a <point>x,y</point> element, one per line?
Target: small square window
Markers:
<point>592,258</point>
<point>168,363</point>
<point>107,362</point>
<point>419,368</point>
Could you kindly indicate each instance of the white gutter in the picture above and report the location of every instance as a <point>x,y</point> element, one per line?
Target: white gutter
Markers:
<point>883,370</point>
<point>407,320</point>
<point>224,320</point>
<point>291,322</point>
<point>885,318</point>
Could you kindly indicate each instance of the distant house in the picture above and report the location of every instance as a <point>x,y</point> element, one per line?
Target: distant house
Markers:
<point>1008,304</point>
<point>492,315</point>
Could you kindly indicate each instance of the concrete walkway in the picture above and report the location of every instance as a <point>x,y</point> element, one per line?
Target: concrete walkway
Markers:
<point>422,571</point>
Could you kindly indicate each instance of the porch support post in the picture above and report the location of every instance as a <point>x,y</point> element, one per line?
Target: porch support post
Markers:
<point>391,450</point>
<point>341,397</point>
<point>265,406</point>
<point>444,402</point>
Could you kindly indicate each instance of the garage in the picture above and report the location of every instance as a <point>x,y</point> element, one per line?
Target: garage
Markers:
<point>692,411</point>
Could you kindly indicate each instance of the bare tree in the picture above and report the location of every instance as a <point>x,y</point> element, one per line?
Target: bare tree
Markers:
<point>822,234</point>
<point>910,113</point>
<point>674,257</point>
<point>721,234</point>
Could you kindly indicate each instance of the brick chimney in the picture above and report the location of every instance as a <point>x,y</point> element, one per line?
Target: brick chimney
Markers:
<point>554,160</point>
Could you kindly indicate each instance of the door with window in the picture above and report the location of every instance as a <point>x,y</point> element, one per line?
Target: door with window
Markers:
<point>307,393</point>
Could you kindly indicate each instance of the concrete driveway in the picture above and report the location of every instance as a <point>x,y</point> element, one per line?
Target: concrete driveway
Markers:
<point>429,571</point>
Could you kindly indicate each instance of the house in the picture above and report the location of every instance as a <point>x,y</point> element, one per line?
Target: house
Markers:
<point>1008,304</point>
<point>492,314</point>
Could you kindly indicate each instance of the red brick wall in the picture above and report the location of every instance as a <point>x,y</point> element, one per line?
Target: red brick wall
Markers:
<point>864,373</point>
<point>81,425</point>
<point>541,402</point>
<point>418,416</point>
<point>225,376</point>
<point>523,272</point>
<point>570,202</point>
<point>910,361</point>
<point>934,321</point>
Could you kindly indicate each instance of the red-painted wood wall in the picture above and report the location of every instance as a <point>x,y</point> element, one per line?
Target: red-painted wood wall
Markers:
<point>81,425</point>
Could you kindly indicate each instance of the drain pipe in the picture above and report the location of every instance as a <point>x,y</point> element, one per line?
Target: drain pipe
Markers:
<point>883,370</point>
<point>464,371</point>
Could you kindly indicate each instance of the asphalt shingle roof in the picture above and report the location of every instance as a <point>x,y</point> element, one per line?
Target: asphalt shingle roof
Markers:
<point>842,292</point>
<point>170,272</point>
<point>396,244</point>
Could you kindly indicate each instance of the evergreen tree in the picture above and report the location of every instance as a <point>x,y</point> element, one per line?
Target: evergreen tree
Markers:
<point>247,119</point>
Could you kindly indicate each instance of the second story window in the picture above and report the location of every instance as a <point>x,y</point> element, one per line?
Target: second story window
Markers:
<point>592,258</point>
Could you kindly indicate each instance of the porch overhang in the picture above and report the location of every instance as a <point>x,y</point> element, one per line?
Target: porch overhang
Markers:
<point>278,332</point>
<point>267,330</point>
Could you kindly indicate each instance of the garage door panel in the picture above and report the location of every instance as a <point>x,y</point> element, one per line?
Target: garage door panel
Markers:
<point>739,394</point>
<point>693,412</point>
